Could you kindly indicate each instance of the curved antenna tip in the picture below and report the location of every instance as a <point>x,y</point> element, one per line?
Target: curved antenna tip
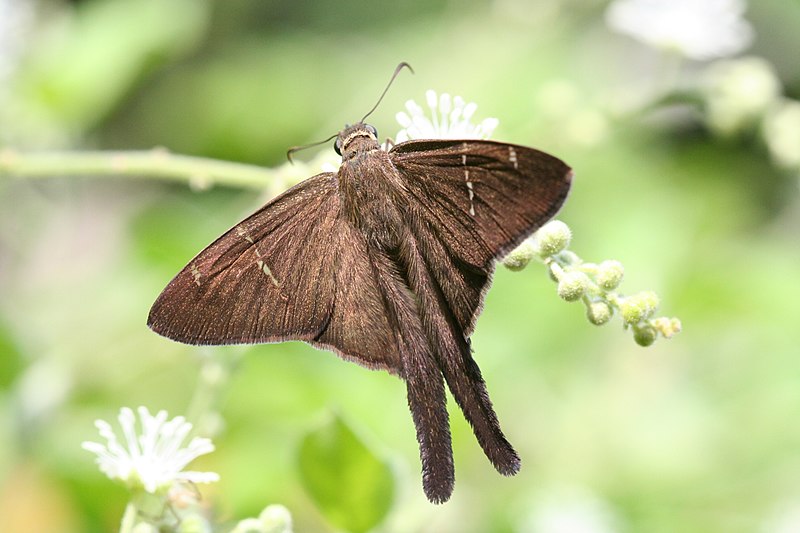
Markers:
<point>403,65</point>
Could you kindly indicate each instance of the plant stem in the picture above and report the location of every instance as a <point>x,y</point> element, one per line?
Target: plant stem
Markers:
<point>128,518</point>
<point>156,163</point>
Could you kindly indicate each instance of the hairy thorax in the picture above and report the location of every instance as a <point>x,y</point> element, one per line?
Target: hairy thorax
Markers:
<point>366,184</point>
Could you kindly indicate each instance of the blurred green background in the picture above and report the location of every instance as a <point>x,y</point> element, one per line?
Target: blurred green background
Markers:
<point>700,433</point>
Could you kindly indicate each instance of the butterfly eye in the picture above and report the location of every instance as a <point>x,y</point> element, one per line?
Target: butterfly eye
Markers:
<point>336,146</point>
<point>372,130</point>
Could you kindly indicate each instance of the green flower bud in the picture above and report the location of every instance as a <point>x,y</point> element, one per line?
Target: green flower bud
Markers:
<point>276,519</point>
<point>638,307</point>
<point>572,286</point>
<point>650,301</point>
<point>609,274</point>
<point>644,335</point>
<point>552,238</point>
<point>520,256</point>
<point>630,311</point>
<point>598,312</point>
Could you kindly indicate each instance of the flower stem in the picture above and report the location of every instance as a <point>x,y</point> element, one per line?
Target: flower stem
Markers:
<point>128,518</point>
<point>156,163</point>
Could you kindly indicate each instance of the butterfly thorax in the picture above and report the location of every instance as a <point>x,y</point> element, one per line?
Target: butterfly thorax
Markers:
<point>367,184</point>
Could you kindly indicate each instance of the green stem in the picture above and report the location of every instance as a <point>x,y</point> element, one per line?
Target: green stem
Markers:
<point>156,163</point>
<point>128,518</point>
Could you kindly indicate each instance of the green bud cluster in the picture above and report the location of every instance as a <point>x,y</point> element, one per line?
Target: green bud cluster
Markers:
<point>594,284</point>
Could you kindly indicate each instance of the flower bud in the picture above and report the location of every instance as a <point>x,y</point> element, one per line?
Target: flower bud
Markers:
<point>644,335</point>
<point>668,327</point>
<point>520,256</point>
<point>598,313</point>
<point>638,307</point>
<point>572,286</point>
<point>609,274</point>
<point>276,519</point>
<point>552,238</point>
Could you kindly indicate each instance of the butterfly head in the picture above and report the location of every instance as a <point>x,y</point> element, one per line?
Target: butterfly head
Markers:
<point>356,138</point>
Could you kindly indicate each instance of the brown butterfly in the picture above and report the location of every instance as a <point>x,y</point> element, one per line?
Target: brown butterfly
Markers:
<point>386,263</point>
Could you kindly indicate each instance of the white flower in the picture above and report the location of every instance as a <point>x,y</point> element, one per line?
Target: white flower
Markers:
<point>154,459</point>
<point>450,119</point>
<point>698,29</point>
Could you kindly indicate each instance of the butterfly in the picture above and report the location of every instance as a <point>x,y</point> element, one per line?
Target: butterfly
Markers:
<point>386,263</point>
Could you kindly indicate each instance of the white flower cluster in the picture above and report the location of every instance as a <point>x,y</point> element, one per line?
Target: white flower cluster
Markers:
<point>450,118</point>
<point>153,459</point>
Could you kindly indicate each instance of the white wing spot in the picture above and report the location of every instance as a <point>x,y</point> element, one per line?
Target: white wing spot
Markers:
<point>470,191</point>
<point>512,156</point>
<point>196,274</point>
<point>265,269</point>
<point>241,232</point>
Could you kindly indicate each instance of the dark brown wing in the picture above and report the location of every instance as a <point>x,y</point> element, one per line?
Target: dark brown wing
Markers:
<point>361,328</point>
<point>479,199</point>
<point>270,278</point>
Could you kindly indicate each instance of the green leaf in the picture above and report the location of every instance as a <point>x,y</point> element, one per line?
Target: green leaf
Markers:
<point>350,484</point>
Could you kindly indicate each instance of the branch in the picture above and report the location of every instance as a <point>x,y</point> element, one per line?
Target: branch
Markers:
<point>157,163</point>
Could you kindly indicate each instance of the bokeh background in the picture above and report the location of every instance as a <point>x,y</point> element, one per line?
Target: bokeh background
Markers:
<point>687,172</point>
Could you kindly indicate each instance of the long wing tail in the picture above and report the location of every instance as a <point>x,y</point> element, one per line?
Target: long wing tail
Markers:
<point>454,356</point>
<point>424,382</point>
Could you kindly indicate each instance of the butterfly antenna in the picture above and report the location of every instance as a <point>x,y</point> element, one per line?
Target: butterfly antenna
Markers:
<point>294,149</point>
<point>397,70</point>
<point>400,67</point>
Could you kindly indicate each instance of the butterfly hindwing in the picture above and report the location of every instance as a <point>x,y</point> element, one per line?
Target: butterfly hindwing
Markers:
<point>361,327</point>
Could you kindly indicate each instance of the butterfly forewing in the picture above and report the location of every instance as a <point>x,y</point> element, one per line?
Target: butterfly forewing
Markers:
<point>270,278</point>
